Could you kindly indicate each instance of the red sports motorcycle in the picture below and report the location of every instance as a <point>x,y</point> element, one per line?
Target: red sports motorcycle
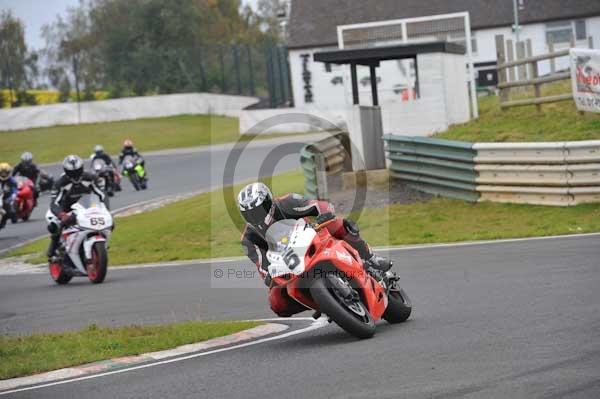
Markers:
<point>327,275</point>
<point>25,201</point>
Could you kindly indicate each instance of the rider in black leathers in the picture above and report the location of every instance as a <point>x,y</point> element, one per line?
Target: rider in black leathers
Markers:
<point>28,169</point>
<point>68,189</point>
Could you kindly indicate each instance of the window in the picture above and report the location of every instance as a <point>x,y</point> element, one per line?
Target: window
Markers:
<point>559,32</point>
<point>580,31</point>
<point>459,38</point>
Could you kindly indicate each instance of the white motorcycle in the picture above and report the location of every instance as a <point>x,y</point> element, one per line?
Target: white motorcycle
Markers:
<point>83,246</point>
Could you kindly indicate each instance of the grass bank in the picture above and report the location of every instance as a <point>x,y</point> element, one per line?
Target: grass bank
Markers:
<point>557,122</point>
<point>201,227</point>
<point>52,144</point>
<point>20,356</point>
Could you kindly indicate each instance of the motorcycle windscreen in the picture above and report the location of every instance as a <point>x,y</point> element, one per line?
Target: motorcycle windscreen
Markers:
<point>89,201</point>
<point>279,234</point>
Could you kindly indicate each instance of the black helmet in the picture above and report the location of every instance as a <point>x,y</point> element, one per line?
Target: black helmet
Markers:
<point>73,167</point>
<point>255,202</point>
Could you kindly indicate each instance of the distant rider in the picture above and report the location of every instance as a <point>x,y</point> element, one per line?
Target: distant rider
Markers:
<point>8,186</point>
<point>100,154</point>
<point>28,169</point>
<point>129,150</point>
<point>260,211</point>
<point>67,190</point>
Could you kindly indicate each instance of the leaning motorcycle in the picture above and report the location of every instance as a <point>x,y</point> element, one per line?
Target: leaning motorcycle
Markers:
<point>83,247</point>
<point>25,201</point>
<point>108,178</point>
<point>134,169</point>
<point>327,275</point>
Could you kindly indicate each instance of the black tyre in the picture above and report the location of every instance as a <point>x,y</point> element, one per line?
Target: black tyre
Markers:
<point>354,318</point>
<point>26,217</point>
<point>58,274</point>
<point>135,182</point>
<point>399,307</point>
<point>99,265</point>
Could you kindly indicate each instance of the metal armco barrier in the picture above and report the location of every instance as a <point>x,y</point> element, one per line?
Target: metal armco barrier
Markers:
<point>319,160</point>
<point>559,173</point>
<point>439,167</point>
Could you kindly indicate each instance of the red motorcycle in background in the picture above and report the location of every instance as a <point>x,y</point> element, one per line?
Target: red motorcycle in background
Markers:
<point>25,201</point>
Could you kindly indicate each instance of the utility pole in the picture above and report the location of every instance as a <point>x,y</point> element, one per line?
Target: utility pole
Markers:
<point>516,25</point>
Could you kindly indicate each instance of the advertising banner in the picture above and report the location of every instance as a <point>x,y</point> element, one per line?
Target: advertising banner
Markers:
<point>585,76</point>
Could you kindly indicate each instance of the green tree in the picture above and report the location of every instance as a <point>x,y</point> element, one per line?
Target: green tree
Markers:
<point>18,66</point>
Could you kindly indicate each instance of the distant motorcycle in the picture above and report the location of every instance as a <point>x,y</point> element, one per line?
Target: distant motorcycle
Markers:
<point>25,201</point>
<point>134,169</point>
<point>110,181</point>
<point>82,251</point>
<point>46,181</point>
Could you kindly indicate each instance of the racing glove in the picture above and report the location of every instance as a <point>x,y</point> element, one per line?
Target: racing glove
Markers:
<point>67,219</point>
<point>325,217</point>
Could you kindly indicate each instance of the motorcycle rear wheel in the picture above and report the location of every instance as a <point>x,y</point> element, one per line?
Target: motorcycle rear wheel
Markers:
<point>399,307</point>
<point>99,263</point>
<point>361,326</point>
<point>58,274</point>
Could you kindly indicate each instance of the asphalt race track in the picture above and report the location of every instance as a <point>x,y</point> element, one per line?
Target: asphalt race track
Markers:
<point>502,320</point>
<point>172,172</point>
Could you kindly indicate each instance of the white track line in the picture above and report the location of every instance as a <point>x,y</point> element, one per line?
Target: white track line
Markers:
<point>484,242</point>
<point>316,324</point>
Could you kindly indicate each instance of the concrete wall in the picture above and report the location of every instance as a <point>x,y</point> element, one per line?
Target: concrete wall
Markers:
<point>123,109</point>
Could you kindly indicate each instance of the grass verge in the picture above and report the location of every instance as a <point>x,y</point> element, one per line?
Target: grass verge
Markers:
<point>37,353</point>
<point>556,122</point>
<point>201,228</point>
<point>197,228</point>
<point>147,134</point>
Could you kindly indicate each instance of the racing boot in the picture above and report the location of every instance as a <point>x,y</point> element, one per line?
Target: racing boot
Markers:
<point>377,267</point>
<point>52,252</point>
<point>378,263</point>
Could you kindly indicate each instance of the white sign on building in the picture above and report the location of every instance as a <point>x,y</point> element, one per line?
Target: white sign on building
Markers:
<point>585,76</point>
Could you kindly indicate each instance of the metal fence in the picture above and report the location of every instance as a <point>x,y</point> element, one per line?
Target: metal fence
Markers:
<point>559,174</point>
<point>323,160</point>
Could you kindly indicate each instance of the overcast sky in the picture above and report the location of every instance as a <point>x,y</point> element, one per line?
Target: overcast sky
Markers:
<point>36,13</point>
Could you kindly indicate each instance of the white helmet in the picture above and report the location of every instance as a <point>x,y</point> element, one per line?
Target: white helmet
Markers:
<point>256,205</point>
<point>26,156</point>
<point>98,149</point>
<point>73,167</point>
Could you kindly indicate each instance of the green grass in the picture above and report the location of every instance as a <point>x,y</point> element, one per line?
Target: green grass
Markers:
<point>444,220</point>
<point>37,353</point>
<point>557,122</point>
<point>201,228</point>
<point>51,144</point>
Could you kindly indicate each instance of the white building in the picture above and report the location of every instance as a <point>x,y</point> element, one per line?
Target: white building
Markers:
<point>313,28</point>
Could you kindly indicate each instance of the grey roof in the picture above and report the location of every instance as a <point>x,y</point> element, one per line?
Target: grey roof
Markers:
<point>313,23</point>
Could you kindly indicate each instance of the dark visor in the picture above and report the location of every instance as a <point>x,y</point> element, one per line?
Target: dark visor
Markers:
<point>257,215</point>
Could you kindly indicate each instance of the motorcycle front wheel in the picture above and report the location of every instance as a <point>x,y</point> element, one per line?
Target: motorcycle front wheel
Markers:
<point>399,307</point>
<point>96,269</point>
<point>334,297</point>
